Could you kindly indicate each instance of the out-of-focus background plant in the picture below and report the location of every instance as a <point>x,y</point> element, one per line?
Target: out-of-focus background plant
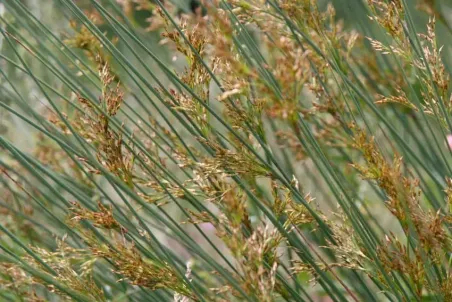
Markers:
<point>277,150</point>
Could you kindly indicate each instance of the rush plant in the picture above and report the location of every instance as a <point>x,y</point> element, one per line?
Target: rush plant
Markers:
<point>225,150</point>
